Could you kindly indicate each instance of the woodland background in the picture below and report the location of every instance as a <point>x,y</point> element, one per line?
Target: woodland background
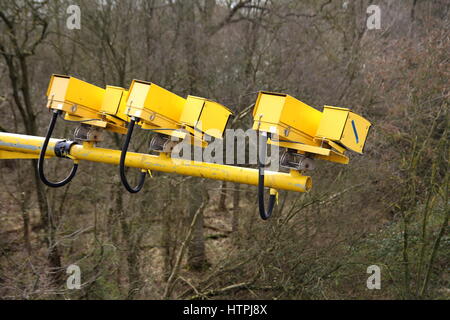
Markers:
<point>388,207</point>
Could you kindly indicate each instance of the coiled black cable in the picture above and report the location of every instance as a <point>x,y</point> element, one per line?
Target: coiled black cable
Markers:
<point>261,163</point>
<point>40,165</point>
<point>123,155</point>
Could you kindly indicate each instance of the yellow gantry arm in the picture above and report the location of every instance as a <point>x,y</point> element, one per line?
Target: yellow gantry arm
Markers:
<point>31,145</point>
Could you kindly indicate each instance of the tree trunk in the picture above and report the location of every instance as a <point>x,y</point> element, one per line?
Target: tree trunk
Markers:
<point>167,244</point>
<point>223,197</point>
<point>236,200</point>
<point>196,252</point>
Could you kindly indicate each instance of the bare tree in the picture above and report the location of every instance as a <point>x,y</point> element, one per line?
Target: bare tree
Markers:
<point>26,27</point>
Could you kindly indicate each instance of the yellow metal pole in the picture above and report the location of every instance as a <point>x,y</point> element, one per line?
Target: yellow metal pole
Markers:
<point>31,145</point>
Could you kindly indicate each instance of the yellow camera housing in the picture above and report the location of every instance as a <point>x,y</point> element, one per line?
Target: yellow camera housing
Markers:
<point>74,97</point>
<point>113,108</point>
<point>343,127</point>
<point>205,116</point>
<point>156,107</point>
<point>296,126</point>
<point>164,112</point>
<point>86,103</point>
<point>286,117</point>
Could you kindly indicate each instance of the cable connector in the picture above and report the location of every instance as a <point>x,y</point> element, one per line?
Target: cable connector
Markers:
<point>62,148</point>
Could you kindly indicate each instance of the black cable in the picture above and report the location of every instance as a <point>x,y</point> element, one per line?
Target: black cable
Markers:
<point>40,166</point>
<point>76,121</point>
<point>261,163</point>
<point>123,177</point>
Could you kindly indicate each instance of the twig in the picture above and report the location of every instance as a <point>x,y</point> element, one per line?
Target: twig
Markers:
<point>216,292</point>
<point>176,268</point>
